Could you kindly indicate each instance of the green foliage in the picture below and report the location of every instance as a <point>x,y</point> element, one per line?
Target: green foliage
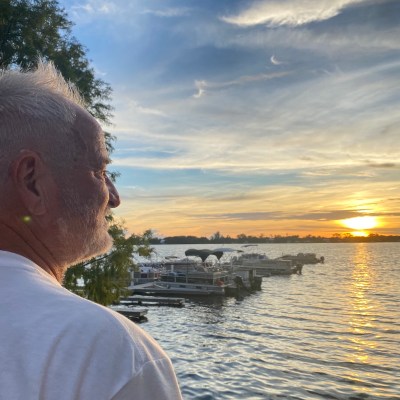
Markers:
<point>105,278</point>
<point>30,29</point>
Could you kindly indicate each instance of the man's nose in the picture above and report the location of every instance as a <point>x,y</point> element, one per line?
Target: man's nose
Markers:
<point>114,200</point>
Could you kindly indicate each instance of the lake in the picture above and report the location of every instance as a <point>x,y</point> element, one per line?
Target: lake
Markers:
<point>331,333</point>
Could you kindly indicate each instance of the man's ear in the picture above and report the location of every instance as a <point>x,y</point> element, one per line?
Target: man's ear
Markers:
<point>28,172</point>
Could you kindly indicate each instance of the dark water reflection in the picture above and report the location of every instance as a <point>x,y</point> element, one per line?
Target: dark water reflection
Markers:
<point>331,333</point>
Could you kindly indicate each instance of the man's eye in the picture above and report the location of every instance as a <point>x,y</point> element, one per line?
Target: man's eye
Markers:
<point>103,174</point>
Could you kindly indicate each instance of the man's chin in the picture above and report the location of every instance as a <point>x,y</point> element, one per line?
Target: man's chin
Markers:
<point>94,248</point>
<point>101,246</point>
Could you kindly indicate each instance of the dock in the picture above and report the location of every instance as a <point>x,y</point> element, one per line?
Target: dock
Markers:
<point>153,301</point>
<point>133,313</point>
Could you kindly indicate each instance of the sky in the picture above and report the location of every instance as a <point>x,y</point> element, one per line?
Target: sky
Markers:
<point>273,117</point>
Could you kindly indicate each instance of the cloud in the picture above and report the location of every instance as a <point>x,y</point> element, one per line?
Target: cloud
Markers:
<point>94,7</point>
<point>280,215</point>
<point>168,12</point>
<point>290,12</point>
<point>150,111</point>
<point>381,165</point>
<point>336,215</point>
<point>131,107</point>
<point>201,86</point>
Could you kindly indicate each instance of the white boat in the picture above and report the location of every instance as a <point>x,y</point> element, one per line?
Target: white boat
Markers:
<point>146,272</point>
<point>201,283</point>
<point>189,277</point>
<point>304,258</point>
<point>150,271</point>
<point>265,266</point>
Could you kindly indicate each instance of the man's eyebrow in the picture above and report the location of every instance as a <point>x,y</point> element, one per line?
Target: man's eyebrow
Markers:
<point>104,160</point>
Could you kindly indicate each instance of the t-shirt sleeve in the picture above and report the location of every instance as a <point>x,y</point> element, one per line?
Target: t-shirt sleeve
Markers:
<point>156,380</point>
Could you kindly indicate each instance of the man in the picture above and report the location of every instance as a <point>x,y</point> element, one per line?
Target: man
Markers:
<point>54,200</point>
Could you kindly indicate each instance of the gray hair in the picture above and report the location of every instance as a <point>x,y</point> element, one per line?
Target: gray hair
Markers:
<point>37,112</point>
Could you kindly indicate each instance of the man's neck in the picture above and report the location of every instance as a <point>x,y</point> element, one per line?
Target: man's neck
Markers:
<point>24,243</point>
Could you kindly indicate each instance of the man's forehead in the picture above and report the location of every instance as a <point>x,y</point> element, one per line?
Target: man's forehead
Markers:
<point>90,133</point>
<point>97,152</point>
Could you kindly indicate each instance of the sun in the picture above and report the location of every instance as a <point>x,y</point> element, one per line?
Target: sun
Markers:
<point>359,233</point>
<point>360,223</point>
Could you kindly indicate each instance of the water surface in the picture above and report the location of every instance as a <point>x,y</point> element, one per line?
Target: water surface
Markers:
<point>331,333</point>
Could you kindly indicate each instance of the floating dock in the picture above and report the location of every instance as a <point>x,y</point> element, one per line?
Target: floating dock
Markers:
<point>153,301</point>
<point>133,313</point>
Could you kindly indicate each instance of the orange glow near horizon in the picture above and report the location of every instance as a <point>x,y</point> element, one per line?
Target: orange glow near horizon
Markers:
<point>166,221</point>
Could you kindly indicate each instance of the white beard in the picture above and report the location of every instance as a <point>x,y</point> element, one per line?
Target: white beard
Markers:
<point>83,232</point>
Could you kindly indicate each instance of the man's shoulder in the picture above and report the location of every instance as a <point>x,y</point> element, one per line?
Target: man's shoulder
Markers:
<point>110,342</point>
<point>107,329</point>
<point>91,316</point>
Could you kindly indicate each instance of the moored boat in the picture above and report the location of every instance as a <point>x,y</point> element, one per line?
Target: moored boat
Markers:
<point>304,258</point>
<point>269,267</point>
<point>265,266</point>
<point>188,277</point>
<point>203,284</point>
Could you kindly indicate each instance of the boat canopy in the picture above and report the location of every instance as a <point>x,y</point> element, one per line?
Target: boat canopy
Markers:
<point>228,250</point>
<point>204,253</point>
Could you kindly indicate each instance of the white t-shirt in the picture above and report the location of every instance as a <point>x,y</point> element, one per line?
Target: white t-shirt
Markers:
<point>55,345</point>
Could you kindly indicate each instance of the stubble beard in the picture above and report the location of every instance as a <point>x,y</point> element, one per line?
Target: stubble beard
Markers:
<point>83,230</point>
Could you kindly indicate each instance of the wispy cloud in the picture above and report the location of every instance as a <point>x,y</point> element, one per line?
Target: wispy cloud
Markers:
<point>201,88</point>
<point>204,86</point>
<point>290,12</point>
<point>94,7</point>
<point>382,165</point>
<point>280,215</point>
<point>168,12</point>
<point>147,110</point>
<point>321,111</point>
<point>129,107</point>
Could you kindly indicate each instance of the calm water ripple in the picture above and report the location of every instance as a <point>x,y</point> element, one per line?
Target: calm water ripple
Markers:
<point>331,333</point>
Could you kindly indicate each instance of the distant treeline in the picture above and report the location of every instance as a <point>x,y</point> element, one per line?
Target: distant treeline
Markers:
<point>218,238</point>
